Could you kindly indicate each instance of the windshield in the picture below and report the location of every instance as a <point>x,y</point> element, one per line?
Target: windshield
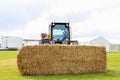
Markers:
<point>60,32</point>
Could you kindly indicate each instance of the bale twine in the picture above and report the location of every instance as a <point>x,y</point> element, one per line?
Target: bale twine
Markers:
<point>61,59</point>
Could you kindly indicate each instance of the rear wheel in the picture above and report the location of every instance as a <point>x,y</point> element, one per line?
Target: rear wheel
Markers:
<point>74,42</point>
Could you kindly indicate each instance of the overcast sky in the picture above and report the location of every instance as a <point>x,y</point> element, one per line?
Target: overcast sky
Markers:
<point>88,18</point>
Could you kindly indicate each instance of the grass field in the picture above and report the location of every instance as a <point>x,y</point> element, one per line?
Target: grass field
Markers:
<point>9,71</point>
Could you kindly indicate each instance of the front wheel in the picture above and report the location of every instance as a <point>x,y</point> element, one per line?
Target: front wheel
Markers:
<point>44,41</point>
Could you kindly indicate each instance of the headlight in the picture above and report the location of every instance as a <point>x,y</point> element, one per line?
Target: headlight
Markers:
<point>66,39</point>
<point>53,24</point>
<point>67,24</point>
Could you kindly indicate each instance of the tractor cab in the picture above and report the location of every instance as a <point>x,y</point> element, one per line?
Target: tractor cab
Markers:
<point>59,32</point>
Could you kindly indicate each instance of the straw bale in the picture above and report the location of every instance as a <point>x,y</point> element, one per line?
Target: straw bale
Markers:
<point>61,59</point>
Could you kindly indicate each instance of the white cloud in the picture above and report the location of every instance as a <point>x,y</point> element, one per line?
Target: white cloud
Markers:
<point>103,20</point>
<point>13,33</point>
<point>104,23</point>
<point>62,7</point>
<point>13,2</point>
<point>37,26</point>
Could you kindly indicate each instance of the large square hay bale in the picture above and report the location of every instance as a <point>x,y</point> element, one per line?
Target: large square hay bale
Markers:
<point>61,59</point>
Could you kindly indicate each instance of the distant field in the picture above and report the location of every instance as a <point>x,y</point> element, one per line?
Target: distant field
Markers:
<point>9,71</point>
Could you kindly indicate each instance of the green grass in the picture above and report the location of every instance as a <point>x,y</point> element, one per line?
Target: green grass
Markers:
<point>9,71</point>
